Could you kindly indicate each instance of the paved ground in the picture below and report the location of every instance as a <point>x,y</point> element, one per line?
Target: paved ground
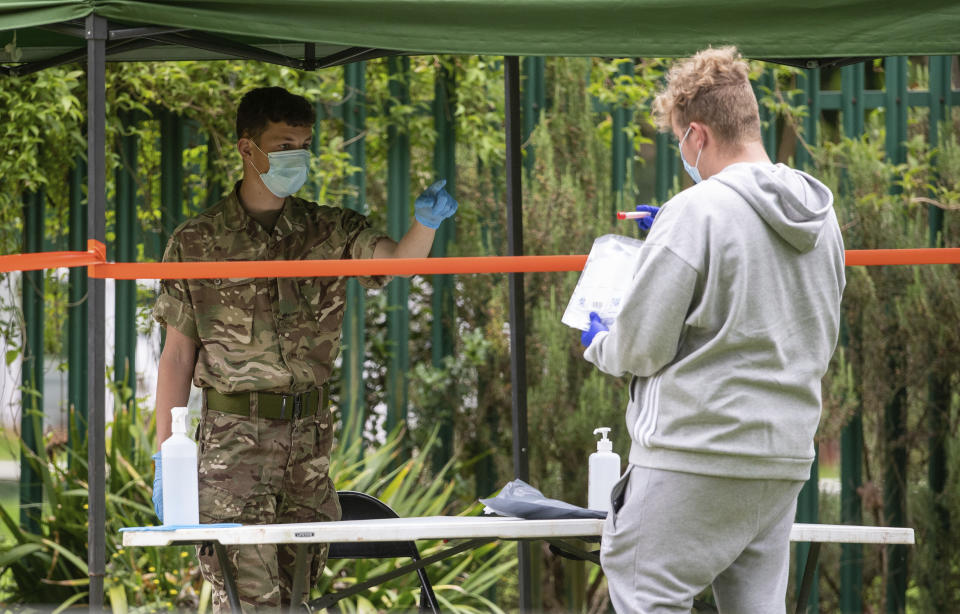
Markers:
<point>830,486</point>
<point>9,470</point>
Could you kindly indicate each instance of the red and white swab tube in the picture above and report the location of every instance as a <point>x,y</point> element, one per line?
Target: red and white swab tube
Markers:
<point>632,215</point>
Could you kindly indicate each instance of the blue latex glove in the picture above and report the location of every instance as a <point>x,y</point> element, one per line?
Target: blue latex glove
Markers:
<point>157,487</point>
<point>434,205</point>
<point>644,223</point>
<point>596,325</point>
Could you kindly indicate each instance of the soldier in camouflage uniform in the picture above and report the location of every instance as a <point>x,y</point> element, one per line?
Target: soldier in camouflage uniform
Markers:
<point>262,350</point>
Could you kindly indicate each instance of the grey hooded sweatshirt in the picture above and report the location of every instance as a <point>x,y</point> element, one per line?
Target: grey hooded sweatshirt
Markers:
<point>730,325</point>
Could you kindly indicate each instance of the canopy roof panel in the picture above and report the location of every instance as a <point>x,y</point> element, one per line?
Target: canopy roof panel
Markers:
<point>619,28</point>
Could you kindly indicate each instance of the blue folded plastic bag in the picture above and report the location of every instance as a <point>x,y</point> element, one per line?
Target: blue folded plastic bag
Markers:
<point>521,500</point>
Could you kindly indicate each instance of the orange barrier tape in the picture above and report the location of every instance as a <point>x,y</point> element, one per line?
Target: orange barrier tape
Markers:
<point>95,260</point>
<point>341,268</point>
<point>45,260</point>
<point>930,255</point>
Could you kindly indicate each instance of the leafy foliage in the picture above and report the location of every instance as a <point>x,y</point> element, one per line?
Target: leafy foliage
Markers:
<point>902,324</point>
<point>406,484</point>
<point>42,130</point>
<point>51,567</point>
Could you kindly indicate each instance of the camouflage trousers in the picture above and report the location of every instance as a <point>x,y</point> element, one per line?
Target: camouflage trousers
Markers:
<point>263,471</point>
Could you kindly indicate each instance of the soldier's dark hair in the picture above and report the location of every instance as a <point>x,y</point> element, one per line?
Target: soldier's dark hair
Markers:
<point>271,104</point>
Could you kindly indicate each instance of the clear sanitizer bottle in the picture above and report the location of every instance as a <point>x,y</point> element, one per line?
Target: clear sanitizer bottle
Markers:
<point>604,472</point>
<point>178,455</point>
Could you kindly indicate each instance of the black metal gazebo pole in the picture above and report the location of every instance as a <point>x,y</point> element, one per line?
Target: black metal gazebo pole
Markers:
<point>96,34</point>
<point>518,324</point>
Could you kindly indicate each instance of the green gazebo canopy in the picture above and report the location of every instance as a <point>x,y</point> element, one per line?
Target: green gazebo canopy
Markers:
<point>334,31</point>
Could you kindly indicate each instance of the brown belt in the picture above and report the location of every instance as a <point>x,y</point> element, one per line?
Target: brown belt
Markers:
<point>273,405</point>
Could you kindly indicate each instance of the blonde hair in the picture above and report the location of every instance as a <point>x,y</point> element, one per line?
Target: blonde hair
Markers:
<point>712,87</point>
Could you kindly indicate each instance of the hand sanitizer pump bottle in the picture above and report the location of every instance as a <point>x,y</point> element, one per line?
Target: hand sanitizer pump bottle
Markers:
<point>604,472</point>
<point>179,473</point>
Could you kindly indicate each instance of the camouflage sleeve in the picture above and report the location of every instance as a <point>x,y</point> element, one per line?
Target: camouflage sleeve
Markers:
<point>361,241</point>
<point>174,307</point>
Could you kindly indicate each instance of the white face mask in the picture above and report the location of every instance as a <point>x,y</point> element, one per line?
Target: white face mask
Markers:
<point>288,171</point>
<point>693,171</point>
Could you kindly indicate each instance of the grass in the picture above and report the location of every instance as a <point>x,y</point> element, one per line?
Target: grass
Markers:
<point>10,501</point>
<point>829,470</point>
<point>9,490</point>
<point>9,444</point>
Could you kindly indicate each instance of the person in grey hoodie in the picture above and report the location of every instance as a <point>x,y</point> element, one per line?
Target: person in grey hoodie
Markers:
<point>727,331</point>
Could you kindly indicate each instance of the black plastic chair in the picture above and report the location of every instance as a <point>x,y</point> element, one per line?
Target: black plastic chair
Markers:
<point>360,506</point>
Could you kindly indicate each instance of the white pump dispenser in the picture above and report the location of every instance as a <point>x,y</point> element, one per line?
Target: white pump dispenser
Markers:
<point>604,472</point>
<point>178,455</point>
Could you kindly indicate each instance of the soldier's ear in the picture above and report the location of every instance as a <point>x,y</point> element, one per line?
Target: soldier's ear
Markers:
<point>245,147</point>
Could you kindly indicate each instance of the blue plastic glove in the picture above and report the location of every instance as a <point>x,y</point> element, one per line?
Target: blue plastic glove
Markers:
<point>644,223</point>
<point>434,205</point>
<point>157,487</point>
<point>596,325</point>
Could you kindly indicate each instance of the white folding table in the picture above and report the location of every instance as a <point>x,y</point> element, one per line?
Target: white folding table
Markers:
<point>477,530</point>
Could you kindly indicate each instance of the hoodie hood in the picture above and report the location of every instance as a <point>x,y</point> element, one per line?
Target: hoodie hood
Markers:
<point>794,204</point>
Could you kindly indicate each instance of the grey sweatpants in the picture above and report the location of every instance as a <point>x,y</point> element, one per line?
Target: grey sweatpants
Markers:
<point>677,533</point>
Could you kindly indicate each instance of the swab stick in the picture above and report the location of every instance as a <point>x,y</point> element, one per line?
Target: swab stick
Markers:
<point>632,215</point>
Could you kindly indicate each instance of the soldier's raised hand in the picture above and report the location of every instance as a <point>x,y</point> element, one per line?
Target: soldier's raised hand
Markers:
<point>434,205</point>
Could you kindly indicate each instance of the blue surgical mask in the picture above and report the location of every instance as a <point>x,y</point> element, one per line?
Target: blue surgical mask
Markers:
<point>288,171</point>
<point>693,171</point>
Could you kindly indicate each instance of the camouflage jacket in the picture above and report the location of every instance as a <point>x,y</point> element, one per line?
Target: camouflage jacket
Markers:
<point>276,335</point>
